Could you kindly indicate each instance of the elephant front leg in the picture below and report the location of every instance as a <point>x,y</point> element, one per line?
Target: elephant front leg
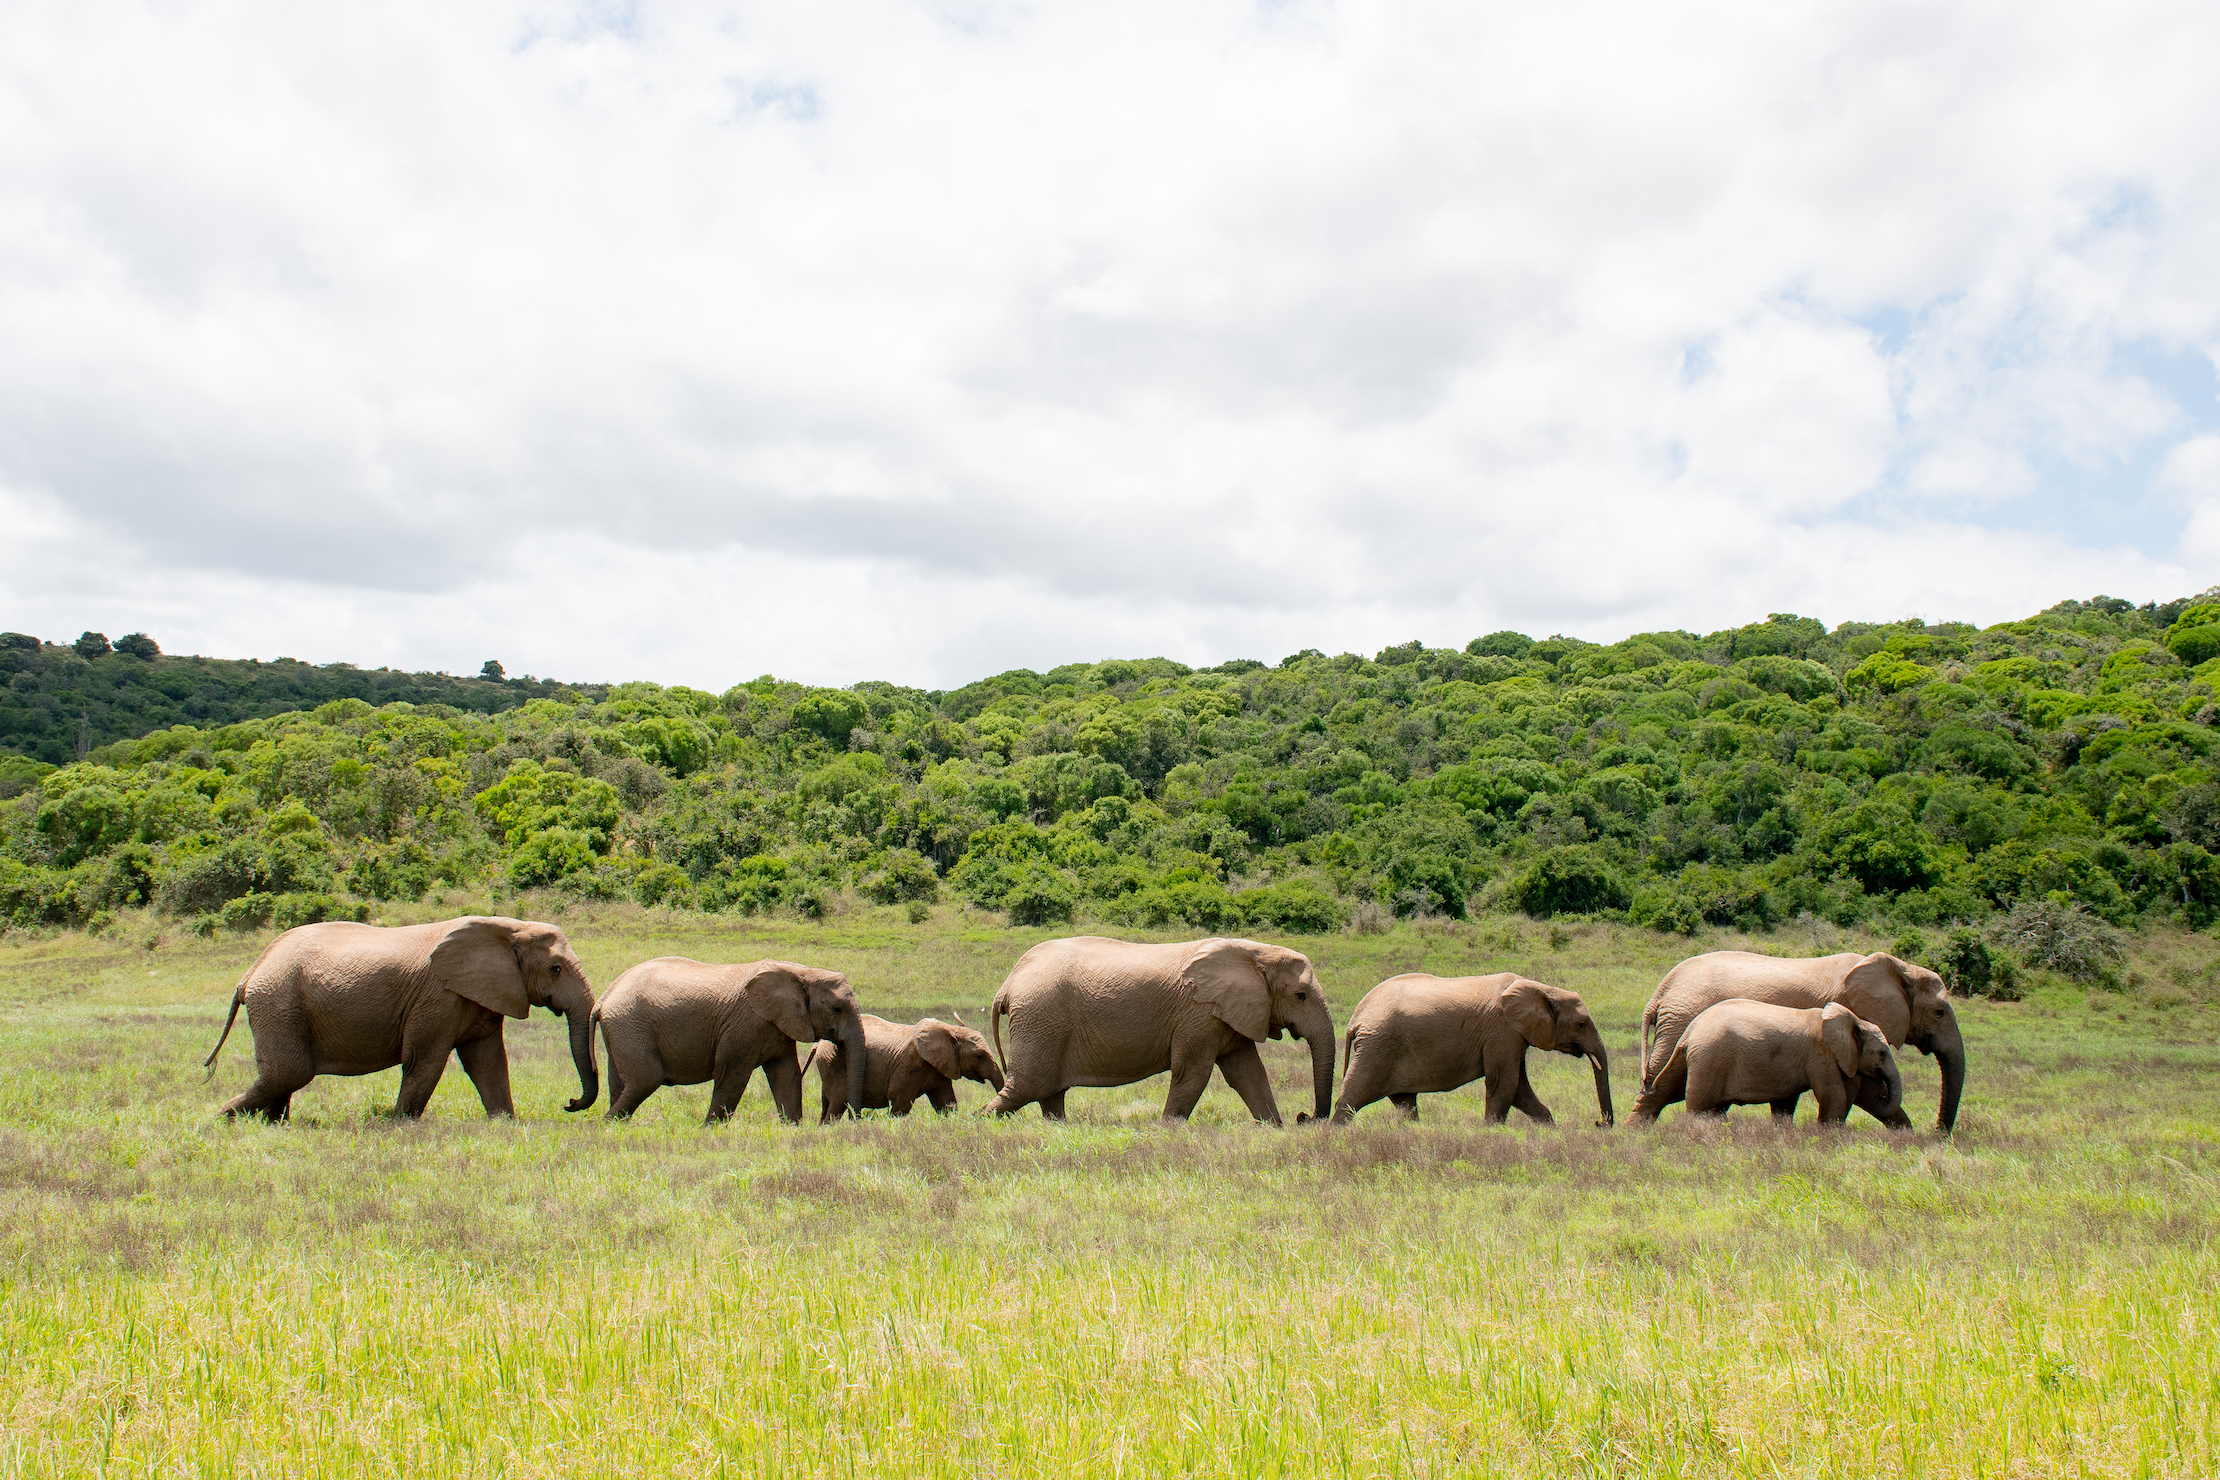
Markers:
<point>1785,1108</point>
<point>1406,1105</point>
<point>942,1097</point>
<point>486,1061</point>
<point>1529,1104</point>
<point>1245,1072</point>
<point>784,1080</point>
<point>420,1075</point>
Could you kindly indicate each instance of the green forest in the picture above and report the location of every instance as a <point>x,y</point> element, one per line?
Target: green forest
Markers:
<point>1885,774</point>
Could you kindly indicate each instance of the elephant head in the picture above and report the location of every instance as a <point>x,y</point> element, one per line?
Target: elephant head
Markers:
<point>512,966</point>
<point>1557,1021</point>
<point>1884,990</point>
<point>956,1051</point>
<point>1861,1051</point>
<point>807,1004</point>
<point>1262,991</point>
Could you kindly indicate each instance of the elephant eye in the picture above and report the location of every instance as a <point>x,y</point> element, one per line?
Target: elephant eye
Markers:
<point>1302,996</point>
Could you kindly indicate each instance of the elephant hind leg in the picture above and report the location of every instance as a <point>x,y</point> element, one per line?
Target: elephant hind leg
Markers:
<point>1406,1106</point>
<point>268,1098</point>
<point>1785,1107</point>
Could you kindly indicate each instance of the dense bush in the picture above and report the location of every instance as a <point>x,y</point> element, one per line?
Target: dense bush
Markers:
<point>2055,775</point>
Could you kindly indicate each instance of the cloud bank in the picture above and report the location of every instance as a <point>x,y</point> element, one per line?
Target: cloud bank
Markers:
<point>914,341</point>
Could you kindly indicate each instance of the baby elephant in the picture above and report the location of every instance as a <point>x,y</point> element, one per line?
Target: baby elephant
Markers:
<point>1744,1052</point>
<point>1425,1034</point>
<point>676,1021</point>
<point>902,1062</point>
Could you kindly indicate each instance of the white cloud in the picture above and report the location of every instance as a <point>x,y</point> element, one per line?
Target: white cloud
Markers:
<point>689,341</point>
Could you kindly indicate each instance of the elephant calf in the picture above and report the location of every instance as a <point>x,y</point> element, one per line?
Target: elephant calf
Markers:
<point>1743,1052</point>
<point>901,1062</point>
<point>1417,1034</point>
<point>676,1021</point>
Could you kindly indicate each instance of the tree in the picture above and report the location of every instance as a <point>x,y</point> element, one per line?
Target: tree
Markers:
<point>92,645</point>
<point>492,672</point>
<point>139,645</point>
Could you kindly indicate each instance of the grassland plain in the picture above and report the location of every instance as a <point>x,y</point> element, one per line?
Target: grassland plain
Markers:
<point>350,1295</point>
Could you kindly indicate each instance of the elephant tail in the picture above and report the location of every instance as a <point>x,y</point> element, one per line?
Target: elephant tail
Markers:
<point>994,1026</point>
<point>238,999</point>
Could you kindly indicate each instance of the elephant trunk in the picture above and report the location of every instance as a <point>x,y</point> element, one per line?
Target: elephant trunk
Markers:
<point>577,1008</point>
<point>851,1045</point>
<point>1317,1030</point>
<point>1598,1057</point>
<point>1949,1049</point>
<point>994,1074</point>
<point>1892,1093</point>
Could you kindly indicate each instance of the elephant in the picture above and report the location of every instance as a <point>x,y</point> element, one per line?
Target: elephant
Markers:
<point>1908,1003</point>
<point>677,1021</point>
<point>1086,1011</point>
<point>901,1062</point>
<point>1418,1034</point>
<point>1740,1052</point>
<point>343,998</point>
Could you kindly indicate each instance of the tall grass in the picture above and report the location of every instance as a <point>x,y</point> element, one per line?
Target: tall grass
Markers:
<point>350,1295</point>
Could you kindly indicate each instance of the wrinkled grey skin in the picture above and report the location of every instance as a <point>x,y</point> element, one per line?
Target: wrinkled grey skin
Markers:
<point>342,998</point>
<point>679,1021</point>
<point>1741,1052</point>
<point>1087,1011</point>
<point>1908,1003</point>
<point>903,1061</point>
<point>1418,1034</point>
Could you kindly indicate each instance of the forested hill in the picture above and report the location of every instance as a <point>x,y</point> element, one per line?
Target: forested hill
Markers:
<point>58,697</point>
<point>1887,773</point>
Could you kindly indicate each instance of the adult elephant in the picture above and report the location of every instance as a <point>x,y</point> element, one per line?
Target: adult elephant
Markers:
<point>1741,1052</point>
<point>678,1021</point>
<point>1418,1034</point>
<point>1908,1003</point>
<point>1086,1011</point>
<point>342,998</point>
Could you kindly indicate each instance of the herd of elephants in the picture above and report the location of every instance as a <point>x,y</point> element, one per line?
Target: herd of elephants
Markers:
<point>1723,1029</point>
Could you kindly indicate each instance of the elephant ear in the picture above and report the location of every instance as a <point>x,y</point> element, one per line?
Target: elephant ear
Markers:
<point>778,997</point>
<point>937,1047</point>
<point>1223,976</point>
<point>1531,1012</point>
<point>476,959</point>
<point>1878,989</point>
<point>1838,1029</point>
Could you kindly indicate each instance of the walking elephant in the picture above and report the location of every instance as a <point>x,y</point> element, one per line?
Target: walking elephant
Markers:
<point>1085,1011</point>
<point>342,998</point>
<point>1418,1034</point>
<point>1740,1052</point>
<point>1908,1003</point>
<point>678,1021</point>
<point>901,1062</point>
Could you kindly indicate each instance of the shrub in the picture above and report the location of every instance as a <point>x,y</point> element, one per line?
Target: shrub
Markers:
<point>905,875</point>
<point>1568,881</point>
<point>1965,963</point>
<point>2062,935</point>
<point>1039,896</point>
<point>1296,906</point>
<point>139,645</point>
<point>661,883</point>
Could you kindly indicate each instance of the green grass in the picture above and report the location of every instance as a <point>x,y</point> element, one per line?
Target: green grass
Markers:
<point>349,1295</point>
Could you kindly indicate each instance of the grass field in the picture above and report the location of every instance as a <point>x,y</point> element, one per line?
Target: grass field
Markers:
<point>349,1295</point>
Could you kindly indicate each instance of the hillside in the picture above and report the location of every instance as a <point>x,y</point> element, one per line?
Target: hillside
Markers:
<point>1895,774</point>
<point>55,697</point>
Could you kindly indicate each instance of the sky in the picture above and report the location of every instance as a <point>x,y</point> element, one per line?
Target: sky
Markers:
<point>856,339</point>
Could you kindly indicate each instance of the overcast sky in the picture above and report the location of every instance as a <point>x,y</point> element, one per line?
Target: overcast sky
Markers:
<point>911,341</point>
